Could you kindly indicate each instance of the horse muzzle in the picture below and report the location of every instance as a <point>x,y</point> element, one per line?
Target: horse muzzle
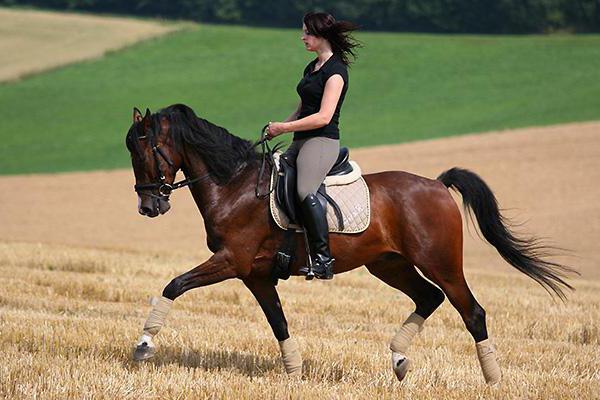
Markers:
<point>153,206</point>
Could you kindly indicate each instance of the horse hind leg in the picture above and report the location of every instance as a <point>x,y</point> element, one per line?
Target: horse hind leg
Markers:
<point>398,273</point>
<point>454,285</point>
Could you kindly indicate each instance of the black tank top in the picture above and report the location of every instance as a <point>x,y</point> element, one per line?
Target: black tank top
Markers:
<point>311,88</point>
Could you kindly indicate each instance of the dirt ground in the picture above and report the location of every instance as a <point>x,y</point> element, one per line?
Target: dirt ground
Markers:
<point>39,40</point>
<point>69,318</point>
<point>547,177</point>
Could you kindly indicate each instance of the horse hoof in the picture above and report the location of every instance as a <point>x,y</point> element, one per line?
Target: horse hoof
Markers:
<point>400,365</point>
<point>143,352</point>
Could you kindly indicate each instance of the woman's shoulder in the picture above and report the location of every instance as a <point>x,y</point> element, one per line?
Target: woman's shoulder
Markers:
<point>338,67</point>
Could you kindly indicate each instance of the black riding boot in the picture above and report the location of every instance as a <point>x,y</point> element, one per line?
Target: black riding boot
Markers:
<point>315,223</point>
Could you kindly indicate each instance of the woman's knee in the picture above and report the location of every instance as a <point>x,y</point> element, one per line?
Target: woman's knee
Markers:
<point>303,191</point>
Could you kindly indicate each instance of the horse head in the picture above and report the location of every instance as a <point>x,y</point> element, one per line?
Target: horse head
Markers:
<point>155,161</point>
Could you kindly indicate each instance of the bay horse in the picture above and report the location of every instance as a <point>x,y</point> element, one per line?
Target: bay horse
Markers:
<point>414,242</point>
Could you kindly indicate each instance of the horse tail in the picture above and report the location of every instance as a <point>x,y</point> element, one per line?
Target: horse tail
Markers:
<point>525,254</point>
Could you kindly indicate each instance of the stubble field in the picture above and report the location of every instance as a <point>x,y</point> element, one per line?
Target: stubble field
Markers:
<point>77,266</point>
<point>36,41</point>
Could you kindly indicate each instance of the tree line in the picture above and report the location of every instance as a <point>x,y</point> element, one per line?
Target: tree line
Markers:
<point>443,16</point>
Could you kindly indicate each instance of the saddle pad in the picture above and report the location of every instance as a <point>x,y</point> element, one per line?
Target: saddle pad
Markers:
<point>353,200</point>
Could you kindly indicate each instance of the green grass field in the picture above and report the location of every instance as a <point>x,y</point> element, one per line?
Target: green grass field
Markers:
<point>403,87</point>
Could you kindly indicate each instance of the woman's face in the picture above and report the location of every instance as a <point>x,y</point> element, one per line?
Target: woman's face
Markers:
<point>311,42</point>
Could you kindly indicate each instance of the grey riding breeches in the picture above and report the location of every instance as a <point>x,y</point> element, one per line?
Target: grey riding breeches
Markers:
<point>314,159</point>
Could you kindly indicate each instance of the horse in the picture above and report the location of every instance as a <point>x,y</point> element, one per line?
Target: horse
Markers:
<point>414,242</point>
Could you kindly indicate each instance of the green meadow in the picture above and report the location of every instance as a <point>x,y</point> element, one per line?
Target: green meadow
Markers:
<point>403,87</point>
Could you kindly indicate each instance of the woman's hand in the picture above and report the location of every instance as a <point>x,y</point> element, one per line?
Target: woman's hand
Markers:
<point>275,129</point>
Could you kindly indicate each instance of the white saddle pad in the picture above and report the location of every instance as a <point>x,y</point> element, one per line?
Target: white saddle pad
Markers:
<point>353,200</point>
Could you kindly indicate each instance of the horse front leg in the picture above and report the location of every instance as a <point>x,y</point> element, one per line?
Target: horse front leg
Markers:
<point>215,269</point>
<point>265,293</point>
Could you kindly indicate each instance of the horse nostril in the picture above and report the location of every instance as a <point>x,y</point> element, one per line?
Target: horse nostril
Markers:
<point>145,210</point>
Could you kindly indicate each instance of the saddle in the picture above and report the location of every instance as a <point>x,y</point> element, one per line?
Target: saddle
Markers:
<point>285,189</point>
<point>346,185</point>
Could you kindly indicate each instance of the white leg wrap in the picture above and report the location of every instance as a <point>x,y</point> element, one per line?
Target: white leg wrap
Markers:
<point>146,339</point>
<point>410,328</point>
<point>400,365</point>
<point>486,353</point>
<point>292,360</point>
<point>156,319</point>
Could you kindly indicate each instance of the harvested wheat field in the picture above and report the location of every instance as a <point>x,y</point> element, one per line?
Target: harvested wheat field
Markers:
<point>40,40</point>
<point>77,265</point>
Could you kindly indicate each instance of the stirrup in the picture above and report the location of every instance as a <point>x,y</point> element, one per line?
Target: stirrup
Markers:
<point>308,272</point>
<point>326,273</point>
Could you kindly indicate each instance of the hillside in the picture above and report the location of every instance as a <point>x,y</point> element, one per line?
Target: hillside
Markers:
<point>402,88</point>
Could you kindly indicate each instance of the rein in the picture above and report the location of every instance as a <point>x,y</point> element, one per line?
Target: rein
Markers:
<point>165,189</point>
<point>267,158</point>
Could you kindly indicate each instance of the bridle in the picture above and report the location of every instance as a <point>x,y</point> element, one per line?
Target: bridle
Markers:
<point>165,189</point>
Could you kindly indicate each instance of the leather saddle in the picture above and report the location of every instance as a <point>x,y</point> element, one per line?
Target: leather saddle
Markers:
<point>285,189</point>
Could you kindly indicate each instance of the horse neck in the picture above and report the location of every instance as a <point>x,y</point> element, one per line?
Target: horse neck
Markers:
<point>211,199</point>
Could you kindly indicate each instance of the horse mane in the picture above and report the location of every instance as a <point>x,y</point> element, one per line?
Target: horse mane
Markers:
<point>222,152</point>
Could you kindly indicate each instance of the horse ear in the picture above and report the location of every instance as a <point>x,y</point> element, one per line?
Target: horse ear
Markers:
<point>146,120</point>
<point>137,115</point>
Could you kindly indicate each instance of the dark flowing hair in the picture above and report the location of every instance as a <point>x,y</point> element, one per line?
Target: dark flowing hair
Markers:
<point>222,152</point>
<point>337,33</point>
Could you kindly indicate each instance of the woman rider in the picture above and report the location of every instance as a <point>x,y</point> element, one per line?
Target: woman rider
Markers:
<point>315,124</point>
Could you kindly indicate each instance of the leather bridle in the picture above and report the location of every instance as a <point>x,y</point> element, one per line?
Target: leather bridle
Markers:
<point>164,189</point>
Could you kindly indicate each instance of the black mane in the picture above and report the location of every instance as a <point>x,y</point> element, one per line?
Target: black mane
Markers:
<point>222,152</point>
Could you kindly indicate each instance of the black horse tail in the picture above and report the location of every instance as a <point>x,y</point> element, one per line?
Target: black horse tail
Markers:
<point>527,255</point>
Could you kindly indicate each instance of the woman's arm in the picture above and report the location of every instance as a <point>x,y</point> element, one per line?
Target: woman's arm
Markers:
<point>331,96</point>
